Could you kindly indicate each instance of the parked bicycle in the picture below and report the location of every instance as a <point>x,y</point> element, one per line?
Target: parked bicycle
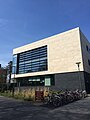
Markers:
<point>62,98</point>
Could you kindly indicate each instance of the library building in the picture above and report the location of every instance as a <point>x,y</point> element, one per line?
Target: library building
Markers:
<point>58,62</point>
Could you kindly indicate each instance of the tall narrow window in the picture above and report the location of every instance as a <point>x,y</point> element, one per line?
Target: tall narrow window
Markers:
<point>86,47</point>
<point>14,65</point>
<point>89,62</point>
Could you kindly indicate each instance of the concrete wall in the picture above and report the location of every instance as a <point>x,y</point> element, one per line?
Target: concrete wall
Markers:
<point>64,50</point>
<point>87,81</point>
<point>70,81</point>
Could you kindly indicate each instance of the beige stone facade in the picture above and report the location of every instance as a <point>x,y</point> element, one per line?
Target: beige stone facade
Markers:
<point>64,51</point>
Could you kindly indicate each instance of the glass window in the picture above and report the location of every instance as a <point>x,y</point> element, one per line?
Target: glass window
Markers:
<point>14,59</point>
<point>14,65</point>
<point>47,81</point>
<point>86,47</point>
<point>33,60</point>
<point>89,62</point>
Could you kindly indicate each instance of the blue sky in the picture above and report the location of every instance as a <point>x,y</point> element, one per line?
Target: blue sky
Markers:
<point>25,21</point>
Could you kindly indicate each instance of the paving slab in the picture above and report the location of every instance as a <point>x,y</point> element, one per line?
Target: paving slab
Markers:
<point>12,109</point>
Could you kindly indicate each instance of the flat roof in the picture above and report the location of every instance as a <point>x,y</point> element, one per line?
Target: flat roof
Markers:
<point>23,48</point>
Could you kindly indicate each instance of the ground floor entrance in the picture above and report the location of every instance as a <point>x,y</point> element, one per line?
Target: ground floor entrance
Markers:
<point>59,81</point>
<point>44,80</point>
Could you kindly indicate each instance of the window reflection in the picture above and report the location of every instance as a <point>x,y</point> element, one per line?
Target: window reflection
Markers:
<point>33,60</point>
<point>14,65</point>
<point>47,80</point>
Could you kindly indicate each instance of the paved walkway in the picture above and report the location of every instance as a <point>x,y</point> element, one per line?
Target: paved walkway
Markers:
<point>11,109</point>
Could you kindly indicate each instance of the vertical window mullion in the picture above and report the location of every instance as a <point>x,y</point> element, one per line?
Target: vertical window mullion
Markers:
<point>36,56</point>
